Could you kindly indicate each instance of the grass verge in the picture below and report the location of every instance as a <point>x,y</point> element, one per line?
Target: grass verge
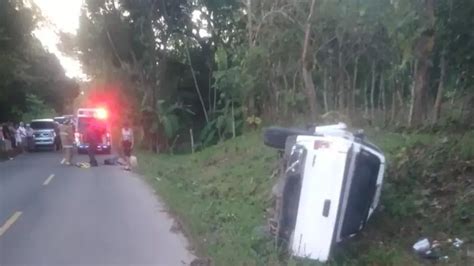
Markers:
<point>222,194</point>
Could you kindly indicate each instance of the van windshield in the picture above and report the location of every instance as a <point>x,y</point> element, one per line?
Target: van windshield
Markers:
<point>42,125</point>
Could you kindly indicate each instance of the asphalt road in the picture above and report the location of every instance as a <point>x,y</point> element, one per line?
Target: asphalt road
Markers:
<point>52,214</point>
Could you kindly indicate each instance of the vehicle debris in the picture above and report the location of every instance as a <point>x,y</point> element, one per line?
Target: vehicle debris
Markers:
<point>422,246</point>
<point>457,243</point>
<point>116,160</point>
<point>83,165</point>
<point>433,250</point>
<point>329,186</point>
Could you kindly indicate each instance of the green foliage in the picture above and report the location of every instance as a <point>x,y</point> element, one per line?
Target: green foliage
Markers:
<point>26,68</point>
<point>223,201</point>
<point>224,121</point>
<point>169,117</point>
<point>36,108</point>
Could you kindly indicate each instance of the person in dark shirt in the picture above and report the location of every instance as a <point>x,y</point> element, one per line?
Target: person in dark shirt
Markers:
<point>93,136</point>
<point>12,133</point>
<point>6,131</point>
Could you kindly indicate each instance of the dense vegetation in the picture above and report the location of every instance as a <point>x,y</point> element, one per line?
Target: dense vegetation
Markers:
<point>32,81</point>
<point>216,66</point>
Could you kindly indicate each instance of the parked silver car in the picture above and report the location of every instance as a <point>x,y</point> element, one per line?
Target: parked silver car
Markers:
<point>44,133</point>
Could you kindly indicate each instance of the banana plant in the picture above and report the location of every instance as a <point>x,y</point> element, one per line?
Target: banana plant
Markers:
<point>168,117</point>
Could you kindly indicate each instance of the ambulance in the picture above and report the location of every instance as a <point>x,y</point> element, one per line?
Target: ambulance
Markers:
<point>84,118</point>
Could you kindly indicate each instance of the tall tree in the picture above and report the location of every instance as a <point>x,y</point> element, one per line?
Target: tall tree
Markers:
<point>423,52</point>
<point>306,60</point>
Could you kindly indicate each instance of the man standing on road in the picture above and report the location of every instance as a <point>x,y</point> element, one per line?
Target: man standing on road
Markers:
<point>12,134</point>
<point>22,132</point>
<point>18,138</point>
<point>57,138</point>
<point>93,138</point>
<point>6,137</point>
<point>127,144</point>
<point>30,138</point>
<point>67,138</point>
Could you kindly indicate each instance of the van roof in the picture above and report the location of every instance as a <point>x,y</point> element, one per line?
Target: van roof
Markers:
<point>43,120</point>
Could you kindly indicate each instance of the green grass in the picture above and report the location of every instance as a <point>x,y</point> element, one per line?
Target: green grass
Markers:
<point>222,193</point>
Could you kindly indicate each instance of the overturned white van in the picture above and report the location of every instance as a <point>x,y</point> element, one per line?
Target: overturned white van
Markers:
<point>329,188</point>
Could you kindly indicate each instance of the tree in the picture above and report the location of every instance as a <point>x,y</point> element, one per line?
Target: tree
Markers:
<point>26,68</point>
<point>423,50</point>
<point>307,64</point>
<point>266,58</point>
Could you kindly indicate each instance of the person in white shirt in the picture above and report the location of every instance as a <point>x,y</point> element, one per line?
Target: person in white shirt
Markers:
<point>22,134</point>
<point>17,138</point>
<point>127,144</point>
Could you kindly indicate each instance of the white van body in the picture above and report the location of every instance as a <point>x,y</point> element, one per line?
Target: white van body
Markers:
<point>341,180</point>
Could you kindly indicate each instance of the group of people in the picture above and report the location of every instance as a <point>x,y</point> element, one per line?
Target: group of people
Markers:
<point>93,137</point>
<point>16,137</point>
<point>20,137</point>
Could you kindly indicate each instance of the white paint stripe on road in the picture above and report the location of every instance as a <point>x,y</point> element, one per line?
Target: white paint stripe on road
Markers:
<point>9,222</point>
<point>46,182</point>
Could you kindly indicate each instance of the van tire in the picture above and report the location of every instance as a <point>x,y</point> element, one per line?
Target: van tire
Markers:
<point>275,137</point>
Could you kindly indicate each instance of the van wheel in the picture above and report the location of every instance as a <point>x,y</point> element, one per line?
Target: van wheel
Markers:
<point>275,137</point>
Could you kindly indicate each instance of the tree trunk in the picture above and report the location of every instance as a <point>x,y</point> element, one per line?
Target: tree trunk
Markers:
<point>307,65</point>
<point>209,91</point>
<point>372,92</point>
<point>423,51</point>
<point>325,89</point>
<point>196,85</point>
<point>366,102</point>
<point>439,94</point>
<point>249,21</point>
<point>412,93</point>
<point>214,105</point>
<point>382,95</point>
<point>392,106</point>
<point>353,88</point>
<point>340,80</point>
<point>394,101</point>
<point>251,98</point>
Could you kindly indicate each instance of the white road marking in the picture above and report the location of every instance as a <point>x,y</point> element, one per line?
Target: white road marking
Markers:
<point>9,222</point>
<point>46,182</point>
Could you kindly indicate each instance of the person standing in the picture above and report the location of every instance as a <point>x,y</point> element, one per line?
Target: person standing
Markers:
<point>6,137</point>
<point>22,132</point>
<point>30,138</point>
<point>66,134</point>
<point>127,144</point>
<point>57,138</point>
<point>12,134</point>
<point>92,138</point>
<point>17,137</point>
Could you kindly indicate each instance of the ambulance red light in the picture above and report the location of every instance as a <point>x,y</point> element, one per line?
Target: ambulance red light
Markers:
<point>102,113</point>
